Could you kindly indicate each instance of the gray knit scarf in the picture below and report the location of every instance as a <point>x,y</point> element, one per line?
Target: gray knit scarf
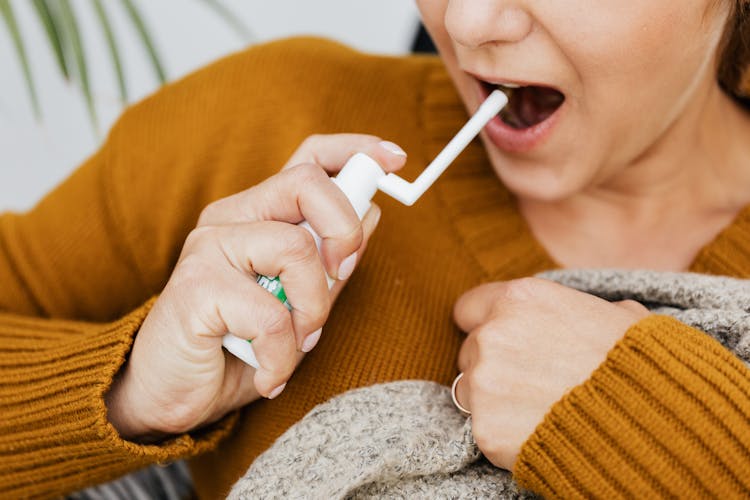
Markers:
<point>406,439</point>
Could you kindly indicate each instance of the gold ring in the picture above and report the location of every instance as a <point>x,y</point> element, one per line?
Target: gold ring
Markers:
<point>455,399</point>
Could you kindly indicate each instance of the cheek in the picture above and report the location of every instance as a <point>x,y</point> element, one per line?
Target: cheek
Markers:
<point>638,63</point>
<point>615,37</point>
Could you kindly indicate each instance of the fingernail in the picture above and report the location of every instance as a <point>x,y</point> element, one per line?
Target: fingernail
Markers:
<point>375,215</point>
<point>370,222</point>
<point>311,341</point>
<point>277,391</point>
<point>347,266</point>
<point>392,147</point>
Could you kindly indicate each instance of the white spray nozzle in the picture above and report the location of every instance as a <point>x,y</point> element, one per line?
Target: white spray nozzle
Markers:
<point>409,192</point>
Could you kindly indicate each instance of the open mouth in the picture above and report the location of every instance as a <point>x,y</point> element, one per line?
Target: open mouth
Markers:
<point>527,105</point>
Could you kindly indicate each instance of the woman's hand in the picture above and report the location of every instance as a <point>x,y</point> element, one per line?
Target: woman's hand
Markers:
<point>178,377</point>
<point>529,342</point>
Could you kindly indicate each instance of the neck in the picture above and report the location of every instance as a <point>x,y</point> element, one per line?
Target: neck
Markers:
<point>692,182</point>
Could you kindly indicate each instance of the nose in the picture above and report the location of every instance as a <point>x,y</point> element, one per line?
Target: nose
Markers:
<point>474,23</point>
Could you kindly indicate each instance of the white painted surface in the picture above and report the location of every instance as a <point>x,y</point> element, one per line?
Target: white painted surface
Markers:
<point>35,156</point>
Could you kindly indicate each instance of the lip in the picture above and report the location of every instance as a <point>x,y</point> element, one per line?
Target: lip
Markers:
<point>513,140</point>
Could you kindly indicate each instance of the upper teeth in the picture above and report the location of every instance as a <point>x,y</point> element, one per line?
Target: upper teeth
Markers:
<point>509,85</point>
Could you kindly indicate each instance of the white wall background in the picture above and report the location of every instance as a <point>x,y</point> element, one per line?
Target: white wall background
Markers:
<point>35,156</point>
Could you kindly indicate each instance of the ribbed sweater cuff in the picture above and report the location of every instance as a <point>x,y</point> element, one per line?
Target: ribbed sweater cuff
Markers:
<point>54,433</point>
<point>667,413</point>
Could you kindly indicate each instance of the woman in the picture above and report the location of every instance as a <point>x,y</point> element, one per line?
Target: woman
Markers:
<point>618,149</point>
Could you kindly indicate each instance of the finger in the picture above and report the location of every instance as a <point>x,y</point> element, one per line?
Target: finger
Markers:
<point>273,249</point>
<point>304,192</point>
<point>480,304</point>
<point>225,300</point>
<point>332,151</point>
<point>634,307</point>
<point>294,259</point>
<point>477,305</point>
<point>276,198</point>
<point>389,155</point>
<point>239,387</point>
<point>467,355</point>
<point>243,382</point>
<point>260,317</point>
<point>369,223</point>
<point>462,392</point>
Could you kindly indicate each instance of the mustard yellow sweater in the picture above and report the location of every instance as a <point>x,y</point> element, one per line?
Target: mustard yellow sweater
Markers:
<point>668,411</point>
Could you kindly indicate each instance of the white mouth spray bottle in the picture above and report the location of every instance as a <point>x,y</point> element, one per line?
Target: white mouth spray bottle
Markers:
<point>361,178</point>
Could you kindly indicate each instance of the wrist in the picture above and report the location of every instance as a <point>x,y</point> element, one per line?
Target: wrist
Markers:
<point>123,412</point>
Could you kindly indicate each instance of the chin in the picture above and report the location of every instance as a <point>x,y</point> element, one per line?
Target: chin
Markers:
<point>530,180</point>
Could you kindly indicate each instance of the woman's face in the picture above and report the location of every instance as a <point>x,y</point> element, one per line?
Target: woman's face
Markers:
<point>604,82</point>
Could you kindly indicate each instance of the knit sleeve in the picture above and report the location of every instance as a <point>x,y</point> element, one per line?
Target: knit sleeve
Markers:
<point>71,301</point>
<point>54,433</point>
<point>667,414</point>
<point>77,269</point>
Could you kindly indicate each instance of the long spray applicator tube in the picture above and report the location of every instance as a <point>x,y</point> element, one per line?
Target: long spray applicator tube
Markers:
<point>361,178</point>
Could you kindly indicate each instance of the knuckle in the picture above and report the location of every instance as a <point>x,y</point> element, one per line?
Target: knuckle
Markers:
<point>318,310</point>
<point>209,214</point>
<point>357,234</point>
<point>197,236</point>
<point>192,282</point>
<point>485,337</point>
<point>276,322</point>
<point>522,289</point>
<point>298,244</point>
<point>461,305</point>
<point>190,272</point>
<point>311,141</point>
<point>308,173</point>
<point>633,304</point>
<point>495,342</point>
<point>349,231</point>
<point>482,379</point>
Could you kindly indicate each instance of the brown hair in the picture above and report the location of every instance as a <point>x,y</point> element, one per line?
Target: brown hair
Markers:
<point>734,63</point>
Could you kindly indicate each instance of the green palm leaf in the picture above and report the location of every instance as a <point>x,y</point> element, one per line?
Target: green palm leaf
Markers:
<point>6,10</point>
<point>148,44</point>
<point>114,52</point>
<point>238,26</point>
<point>62,31</point>
<point>70,22</point>
<point>55,34</point>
